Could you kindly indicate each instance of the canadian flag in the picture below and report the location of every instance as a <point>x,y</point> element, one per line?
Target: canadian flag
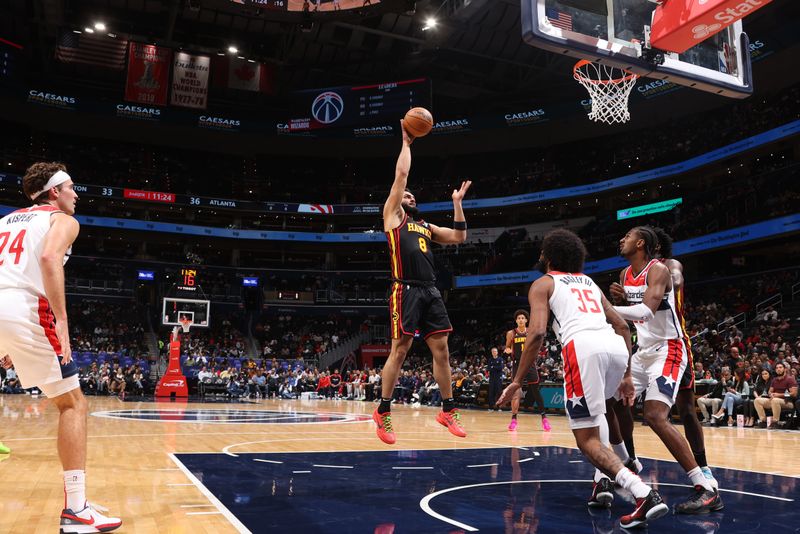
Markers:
<point>243,75</point>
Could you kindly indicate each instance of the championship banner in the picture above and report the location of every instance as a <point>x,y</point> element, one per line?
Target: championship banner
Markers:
<point>148,74</point>
<point>190,80</point>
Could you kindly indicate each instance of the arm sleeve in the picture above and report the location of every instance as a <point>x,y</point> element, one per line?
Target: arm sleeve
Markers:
<point>638,312</point>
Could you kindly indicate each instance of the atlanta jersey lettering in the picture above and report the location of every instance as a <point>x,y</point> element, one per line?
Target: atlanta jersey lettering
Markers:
<point>410,251</point>
<point>665,325</point>
<point>577,306</point>
<point>21,241</point>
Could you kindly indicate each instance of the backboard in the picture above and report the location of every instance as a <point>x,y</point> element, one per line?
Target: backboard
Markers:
<point>198,311</point>
<point>613,32</point>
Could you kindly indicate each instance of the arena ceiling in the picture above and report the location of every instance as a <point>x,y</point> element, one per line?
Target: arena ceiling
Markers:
<point>475,55</point>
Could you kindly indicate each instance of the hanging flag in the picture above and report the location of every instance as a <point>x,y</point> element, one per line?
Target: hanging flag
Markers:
<point>559,19</point>
<point>243,75</point>
<point>190,80</point>
<point>98,50</point>
<point>148,74</point>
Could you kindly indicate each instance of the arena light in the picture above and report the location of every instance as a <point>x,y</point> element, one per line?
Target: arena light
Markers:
<point>88,30</point>
<point>430,23</point>
<point>99,26</point>
<point>232,49</point>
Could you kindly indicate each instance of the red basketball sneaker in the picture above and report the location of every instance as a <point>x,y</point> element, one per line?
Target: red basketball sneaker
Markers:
<point>452,420</point>
<point>385,431</point>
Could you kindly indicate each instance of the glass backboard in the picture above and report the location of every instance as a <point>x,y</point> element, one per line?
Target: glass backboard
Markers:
<point>198,311</point>
<point>614,32</point>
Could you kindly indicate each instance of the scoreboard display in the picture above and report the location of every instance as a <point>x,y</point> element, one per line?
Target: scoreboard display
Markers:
<point>306,5</point>
<point>353,106</point>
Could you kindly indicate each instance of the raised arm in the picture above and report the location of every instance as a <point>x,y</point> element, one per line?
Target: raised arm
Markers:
<point>659,282</point>
<point>63,232</point>
<point>392,208</point>
<point>457,234</point>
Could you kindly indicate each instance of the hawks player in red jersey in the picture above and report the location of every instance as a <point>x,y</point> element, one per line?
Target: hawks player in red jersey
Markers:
<point>416,306</point>
<point>35,243</point>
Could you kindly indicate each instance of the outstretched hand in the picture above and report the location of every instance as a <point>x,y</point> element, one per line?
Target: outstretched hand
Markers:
<point>407,137</point>
<point>508,393</point>
<point>458,194</point>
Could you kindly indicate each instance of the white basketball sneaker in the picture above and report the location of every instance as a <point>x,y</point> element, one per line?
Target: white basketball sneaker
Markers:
<point>88,520</point>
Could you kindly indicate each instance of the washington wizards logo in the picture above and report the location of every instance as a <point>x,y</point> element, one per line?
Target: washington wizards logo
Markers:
<point>666,385</point>
<point>327,107</point>
<point>577,407</point>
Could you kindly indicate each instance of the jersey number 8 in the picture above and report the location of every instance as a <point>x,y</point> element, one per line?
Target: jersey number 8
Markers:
<point>423,245</point>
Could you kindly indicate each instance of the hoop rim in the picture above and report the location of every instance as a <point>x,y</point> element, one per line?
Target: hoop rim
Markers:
<point>185,324</point>
<point>581,77</point>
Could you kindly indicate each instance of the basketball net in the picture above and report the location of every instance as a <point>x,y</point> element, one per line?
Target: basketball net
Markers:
<point>609,88</point>
<point>185,325</point>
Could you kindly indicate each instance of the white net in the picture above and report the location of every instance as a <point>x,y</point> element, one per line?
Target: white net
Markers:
<point>609,88</point>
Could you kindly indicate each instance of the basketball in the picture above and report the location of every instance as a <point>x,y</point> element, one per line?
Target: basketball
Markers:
<point>418,122</point>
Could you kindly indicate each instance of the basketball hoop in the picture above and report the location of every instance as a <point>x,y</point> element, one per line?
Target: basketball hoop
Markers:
<point>185,324</point>
<point>609,88</point>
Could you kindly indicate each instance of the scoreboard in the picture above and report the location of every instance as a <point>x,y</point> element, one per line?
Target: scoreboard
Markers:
<point>353,106</point>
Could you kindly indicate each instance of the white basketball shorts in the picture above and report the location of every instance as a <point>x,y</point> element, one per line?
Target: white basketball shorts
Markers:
<point>593,369</point>
<point>27,334</point>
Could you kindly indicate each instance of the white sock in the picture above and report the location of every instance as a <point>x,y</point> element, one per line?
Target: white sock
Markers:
<point>632,483</point>
<point>621,451</point>
<point>75,490</point>
<point>699,479</point>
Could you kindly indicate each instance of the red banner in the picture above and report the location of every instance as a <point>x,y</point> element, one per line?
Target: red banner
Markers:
<point>148,74</point>
<point>152,196</point>
<point>678,26</point>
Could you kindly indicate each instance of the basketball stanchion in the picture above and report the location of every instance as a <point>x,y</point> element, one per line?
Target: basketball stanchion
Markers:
<point>173,383</point>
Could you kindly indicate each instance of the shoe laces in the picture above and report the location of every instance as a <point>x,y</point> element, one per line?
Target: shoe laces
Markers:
<point>456,417</point>
<point>386,419</point>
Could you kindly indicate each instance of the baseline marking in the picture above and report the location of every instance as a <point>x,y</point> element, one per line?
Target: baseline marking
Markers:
<point>210,496</point>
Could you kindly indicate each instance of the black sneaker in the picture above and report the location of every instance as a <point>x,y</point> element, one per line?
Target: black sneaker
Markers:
<point>647,509</point>
<point>703,501</point>
<point>602,494</point>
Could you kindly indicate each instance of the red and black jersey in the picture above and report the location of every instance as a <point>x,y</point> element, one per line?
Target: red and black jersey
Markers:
<point>410,251</point>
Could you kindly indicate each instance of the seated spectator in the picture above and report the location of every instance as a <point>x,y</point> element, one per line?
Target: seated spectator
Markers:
<point>713,398</point>
<point>734,396</point>
<point>782,395</point>
<point>11,383</point>
<point>760,389</point>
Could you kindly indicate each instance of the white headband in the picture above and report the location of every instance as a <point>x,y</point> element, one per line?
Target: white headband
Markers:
<point>57,179</point>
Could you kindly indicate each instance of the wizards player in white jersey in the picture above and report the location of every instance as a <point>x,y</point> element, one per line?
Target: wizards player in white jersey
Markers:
<point>34,245</point>
<point>685,400</point>
<point>596,358</point>
<point>658,365</point>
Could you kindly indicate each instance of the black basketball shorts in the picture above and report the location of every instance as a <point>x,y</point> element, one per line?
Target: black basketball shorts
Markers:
<point>417,310</point>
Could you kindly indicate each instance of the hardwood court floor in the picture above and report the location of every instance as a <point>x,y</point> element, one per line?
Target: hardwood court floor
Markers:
<point>131,472</point>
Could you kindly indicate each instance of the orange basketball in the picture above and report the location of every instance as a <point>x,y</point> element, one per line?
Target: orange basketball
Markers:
<point>418,122</point>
